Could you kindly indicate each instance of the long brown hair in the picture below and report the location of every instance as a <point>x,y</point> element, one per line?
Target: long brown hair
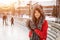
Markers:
<point>38,8</point>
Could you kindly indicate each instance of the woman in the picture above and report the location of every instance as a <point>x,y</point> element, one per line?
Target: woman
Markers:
<point>38,25</point>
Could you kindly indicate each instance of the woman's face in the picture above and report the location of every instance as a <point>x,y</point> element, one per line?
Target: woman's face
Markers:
<point>37,14</point>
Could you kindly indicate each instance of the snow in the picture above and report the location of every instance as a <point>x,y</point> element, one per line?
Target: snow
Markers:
<point>18,31</point>
<point>50,18</point>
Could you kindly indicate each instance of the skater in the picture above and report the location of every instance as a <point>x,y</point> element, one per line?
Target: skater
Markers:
<point>4,20</point>
<point>12,21</point>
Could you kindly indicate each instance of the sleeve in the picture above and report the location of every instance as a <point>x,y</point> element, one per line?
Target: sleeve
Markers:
<point>43,33</point>
<point>28,24</point>
<point>30,33</point>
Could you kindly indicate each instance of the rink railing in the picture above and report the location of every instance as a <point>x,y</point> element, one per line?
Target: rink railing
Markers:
<point>53,30</point>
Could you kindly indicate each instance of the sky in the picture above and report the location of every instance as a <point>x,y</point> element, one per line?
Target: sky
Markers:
<point>42,2</point>
<point>24,2</point>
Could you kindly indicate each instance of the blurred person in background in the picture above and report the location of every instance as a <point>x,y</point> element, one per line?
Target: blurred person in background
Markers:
<point>5,19</point>
<point>12,21</point>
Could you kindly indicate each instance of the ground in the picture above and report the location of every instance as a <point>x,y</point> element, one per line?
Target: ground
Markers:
<point>18,31</point>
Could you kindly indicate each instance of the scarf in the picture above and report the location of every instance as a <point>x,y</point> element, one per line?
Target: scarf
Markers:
<point>33,26</point>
